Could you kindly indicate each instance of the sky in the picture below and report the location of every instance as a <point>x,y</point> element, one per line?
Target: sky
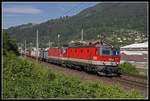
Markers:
<point>17,13</point>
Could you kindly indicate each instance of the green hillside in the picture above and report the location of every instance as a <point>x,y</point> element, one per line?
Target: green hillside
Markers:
<point>127,21</point>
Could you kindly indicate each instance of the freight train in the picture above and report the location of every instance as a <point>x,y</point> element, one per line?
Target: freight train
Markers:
<point>98,58</point>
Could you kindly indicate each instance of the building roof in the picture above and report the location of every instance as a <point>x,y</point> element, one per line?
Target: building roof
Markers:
<point>134,52</point>
<point>139,45</point>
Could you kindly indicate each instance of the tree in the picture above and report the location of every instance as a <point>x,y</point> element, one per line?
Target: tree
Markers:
<point>9,44</point>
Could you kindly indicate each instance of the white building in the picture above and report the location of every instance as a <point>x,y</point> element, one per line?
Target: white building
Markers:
<point>135,49</point>
<point>135,53</point>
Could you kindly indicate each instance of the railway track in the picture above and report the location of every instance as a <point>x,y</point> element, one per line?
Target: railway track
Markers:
<point>136,76</point>
<point>132,82</point>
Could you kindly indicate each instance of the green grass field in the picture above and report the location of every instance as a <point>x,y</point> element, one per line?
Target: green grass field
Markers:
<point>24,79</point>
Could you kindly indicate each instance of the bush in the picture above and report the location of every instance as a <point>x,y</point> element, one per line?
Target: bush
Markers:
<point>128,68</point>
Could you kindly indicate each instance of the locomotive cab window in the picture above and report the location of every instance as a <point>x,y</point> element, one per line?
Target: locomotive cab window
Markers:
<point>114,52</point>
<point>105,51</point>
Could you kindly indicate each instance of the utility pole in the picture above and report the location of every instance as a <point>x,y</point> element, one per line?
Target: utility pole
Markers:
<point>30,47</point>
<point>82,35</point>
<point>101,39</point>
<point>37,45</point>
<point>58,43</point>
<point>25,48</point>
<point>58,40</point>
<point>21,49</point>
<point>49,43</point>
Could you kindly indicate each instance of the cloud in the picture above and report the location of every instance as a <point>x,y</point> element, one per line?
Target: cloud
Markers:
<point>62,8</point>
<point>22,10</point>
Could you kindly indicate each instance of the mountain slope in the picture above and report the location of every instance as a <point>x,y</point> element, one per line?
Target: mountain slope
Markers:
<point>114,19</point>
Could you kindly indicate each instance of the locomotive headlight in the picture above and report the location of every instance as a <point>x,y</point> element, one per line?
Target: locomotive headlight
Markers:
<point>111,59</point>
<point>94,57</point>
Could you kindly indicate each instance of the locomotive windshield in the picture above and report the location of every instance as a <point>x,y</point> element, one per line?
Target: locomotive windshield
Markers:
<point>105,51</point>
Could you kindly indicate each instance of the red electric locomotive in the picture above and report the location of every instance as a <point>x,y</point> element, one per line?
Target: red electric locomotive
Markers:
<point>98,58</point>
